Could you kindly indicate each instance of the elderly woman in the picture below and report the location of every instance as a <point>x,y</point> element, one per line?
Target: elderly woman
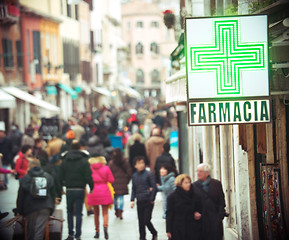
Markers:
<point>183,211</point>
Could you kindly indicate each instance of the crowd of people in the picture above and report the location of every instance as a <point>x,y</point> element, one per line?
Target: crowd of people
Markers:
<point>82,155</point>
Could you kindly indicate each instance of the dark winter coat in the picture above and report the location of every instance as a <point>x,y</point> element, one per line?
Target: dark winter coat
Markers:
<point>141,184</point>
<point>137,149</point>
<point>75,170</point>
<point>165,158</point>
<point>6,150</point>
<point>213,203</point>
<point>122,175</point>
<point>26,203</point>
<point>15,137</point>
<point>180,222</point>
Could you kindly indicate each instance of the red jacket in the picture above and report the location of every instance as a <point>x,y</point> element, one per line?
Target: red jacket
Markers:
<point>21,166</point>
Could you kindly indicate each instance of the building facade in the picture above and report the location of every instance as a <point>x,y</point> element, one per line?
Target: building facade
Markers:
<point>250,159</point>
<point>148,42</point>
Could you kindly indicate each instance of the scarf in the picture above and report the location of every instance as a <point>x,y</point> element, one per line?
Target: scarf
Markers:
<point>206,183</point>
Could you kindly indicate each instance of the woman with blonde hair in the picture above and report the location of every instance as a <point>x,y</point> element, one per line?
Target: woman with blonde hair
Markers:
<point>183,211</point>
<point>101,195</point>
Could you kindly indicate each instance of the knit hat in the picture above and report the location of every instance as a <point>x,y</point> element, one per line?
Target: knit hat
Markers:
<point>70,134</point>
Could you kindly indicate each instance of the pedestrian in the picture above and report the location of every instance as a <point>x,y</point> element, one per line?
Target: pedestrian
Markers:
<point>154,147</point>
<point>211,193</point>
<point>75,174</point>
<point>27,138</point>
<point>39,153</point>
<point>35,200</point>
<point>6,150</point>
<point>164,158</point>
<point>168,176</point>
<point>144,190</point>
<point>101,194</point>
<point>104,138</point>
<point>77,129</point>
<point>69,137</point>
<point>183,212</point>
<point>21,165</point>
<point>122,173</point>
<point>94,146</point>
<point>137,149</point>
<point>15,137</point>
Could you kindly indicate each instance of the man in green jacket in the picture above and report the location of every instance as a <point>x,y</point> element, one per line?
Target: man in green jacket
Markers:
<point>75,173</point>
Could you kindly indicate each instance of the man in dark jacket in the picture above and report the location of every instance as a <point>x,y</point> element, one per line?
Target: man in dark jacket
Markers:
<point>144,190</point>
<point>75,173</point>
<point>210,192</point>
<point>38,205</point>
<point>165,158</point>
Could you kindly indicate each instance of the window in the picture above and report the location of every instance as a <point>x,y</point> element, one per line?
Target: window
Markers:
<point>19,54</point>
<point>139,48</point>
<point>139,76</point>
<point>76,12</point>
<point>155,76</point>
<point>154,48</point>
<point>7,52</point>
<point>127,26</point>
<point>139,24</point>
<point>154,24</point>
<point>68,9</point>
<point>37,51</point>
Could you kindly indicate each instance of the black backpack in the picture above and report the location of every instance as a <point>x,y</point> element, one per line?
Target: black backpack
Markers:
<point>39,188</point>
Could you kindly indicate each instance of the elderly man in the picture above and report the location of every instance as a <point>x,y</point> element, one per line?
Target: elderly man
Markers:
<point>212,195</point>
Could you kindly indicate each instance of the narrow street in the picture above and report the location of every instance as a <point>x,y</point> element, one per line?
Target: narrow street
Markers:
<point>126,229</point>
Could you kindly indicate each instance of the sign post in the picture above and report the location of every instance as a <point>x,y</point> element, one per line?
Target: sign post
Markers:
<point>227,65</point>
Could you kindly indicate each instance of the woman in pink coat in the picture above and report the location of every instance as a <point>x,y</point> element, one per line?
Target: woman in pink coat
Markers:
<point>100,195</point>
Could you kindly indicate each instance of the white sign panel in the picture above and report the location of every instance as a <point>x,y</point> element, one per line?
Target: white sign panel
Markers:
<point>229,112</point>
<point>227,57</point>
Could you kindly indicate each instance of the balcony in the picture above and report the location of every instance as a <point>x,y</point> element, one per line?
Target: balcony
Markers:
<point>9,14</point>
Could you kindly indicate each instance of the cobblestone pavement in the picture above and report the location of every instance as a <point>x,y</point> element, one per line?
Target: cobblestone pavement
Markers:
<point>126,229</point>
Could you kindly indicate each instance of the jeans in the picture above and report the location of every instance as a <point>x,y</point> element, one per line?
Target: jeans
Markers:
<point>36,224</point>
<point>6,175</point>
<point>144,213</point>
<point>118,202</point>
<point>75,196</point>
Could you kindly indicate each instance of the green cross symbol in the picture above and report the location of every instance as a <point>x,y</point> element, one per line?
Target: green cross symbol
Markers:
<point>228,57</point>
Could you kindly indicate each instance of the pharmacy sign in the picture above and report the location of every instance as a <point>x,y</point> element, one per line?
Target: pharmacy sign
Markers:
<point>227,59</point>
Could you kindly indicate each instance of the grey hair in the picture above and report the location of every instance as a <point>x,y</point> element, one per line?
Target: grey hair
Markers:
<point>207,167</point>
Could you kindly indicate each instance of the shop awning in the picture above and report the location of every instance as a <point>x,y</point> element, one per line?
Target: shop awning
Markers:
<point>68,90</point>
<point>129,91</point>
<point>6,100</point>
<point>102,91</point>
<point>18,93</point>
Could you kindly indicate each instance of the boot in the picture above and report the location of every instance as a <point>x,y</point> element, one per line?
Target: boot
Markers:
<point>120,214</point>
<point>96,235</point>
<point>105,233</point>
<point>116,213</point>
